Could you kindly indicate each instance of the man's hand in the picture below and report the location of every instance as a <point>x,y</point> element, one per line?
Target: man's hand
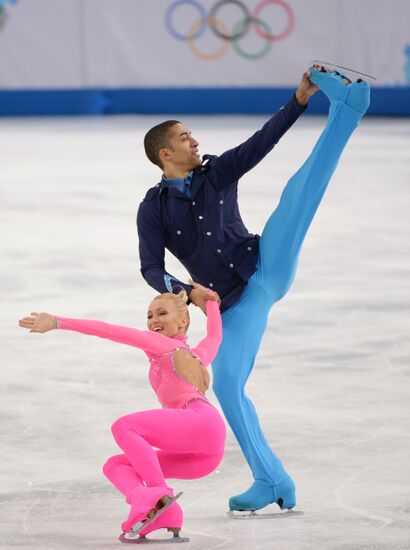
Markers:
<point>306,88</point>
<point>199,295</point>
<point>39,322</point>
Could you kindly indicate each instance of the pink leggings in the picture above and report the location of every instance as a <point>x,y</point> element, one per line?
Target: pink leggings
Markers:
<point>189,442</point>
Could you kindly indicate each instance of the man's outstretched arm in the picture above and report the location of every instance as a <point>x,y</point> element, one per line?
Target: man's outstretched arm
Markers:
<point>234,163</point>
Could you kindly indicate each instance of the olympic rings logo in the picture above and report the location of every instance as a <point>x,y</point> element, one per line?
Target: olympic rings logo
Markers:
<point>232,35</point>
<point>3,12</point>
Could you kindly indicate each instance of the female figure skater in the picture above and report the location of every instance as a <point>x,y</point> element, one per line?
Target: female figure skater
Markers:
<point>188,431</point>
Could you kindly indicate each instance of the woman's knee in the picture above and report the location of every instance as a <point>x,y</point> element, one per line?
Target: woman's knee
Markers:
<point>112,463</point>
<point>120,427</point>
<point>208,464</point>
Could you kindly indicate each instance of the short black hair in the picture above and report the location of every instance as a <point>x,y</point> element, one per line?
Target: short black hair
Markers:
<point>156,139</point>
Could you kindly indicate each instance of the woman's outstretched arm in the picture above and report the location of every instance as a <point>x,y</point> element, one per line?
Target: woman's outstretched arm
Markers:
<point>146,340</point>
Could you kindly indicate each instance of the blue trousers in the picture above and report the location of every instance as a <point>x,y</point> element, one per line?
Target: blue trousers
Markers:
<point>281,240</point>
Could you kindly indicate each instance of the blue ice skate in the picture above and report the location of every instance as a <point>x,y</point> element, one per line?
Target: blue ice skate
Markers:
<point>338,87</point>
<point>260,495</point>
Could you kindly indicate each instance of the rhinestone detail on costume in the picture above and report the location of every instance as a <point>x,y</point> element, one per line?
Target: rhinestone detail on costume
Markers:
<point>172,389</point>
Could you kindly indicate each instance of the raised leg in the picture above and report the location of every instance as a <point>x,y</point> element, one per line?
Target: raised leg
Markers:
<point>280,244</point>
<point>283,235</point>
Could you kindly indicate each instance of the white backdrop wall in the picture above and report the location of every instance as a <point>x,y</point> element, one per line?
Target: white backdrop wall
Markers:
<point>77,44</point>
<point>126,43</point>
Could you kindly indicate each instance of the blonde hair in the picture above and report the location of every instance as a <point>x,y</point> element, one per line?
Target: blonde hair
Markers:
<point>179,300</point>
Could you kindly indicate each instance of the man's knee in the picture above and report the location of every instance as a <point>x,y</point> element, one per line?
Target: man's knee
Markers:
<point>226,388</point>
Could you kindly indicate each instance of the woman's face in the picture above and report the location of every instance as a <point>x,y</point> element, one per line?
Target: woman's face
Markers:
<point>163,317</point>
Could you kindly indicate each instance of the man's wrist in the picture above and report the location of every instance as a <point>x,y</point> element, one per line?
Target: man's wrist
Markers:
<point>302,98</point>
<point>191,296</point>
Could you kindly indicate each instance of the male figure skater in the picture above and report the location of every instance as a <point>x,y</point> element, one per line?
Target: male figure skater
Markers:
<point>193,212</point>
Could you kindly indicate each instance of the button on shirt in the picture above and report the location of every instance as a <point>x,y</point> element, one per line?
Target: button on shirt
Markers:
<point>197,218</point>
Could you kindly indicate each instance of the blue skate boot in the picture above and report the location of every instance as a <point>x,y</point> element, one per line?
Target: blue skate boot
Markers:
<point>338,87</point>
<point>260,495</point>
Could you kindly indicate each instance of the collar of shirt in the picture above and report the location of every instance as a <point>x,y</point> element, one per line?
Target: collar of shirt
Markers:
<point>182,184</point>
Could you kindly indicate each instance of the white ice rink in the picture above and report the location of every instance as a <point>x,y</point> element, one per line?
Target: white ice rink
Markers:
<point>332,380</point>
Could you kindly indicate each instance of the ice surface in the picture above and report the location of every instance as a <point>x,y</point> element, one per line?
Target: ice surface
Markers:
<point>332,380</point>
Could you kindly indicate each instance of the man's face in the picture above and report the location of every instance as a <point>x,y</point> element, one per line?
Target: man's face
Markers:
<point>183,150</point>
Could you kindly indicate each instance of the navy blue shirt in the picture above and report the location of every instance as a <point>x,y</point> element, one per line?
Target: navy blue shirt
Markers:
<point>205,230</point>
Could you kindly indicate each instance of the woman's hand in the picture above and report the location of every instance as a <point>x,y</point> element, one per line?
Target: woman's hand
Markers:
<point>199,295</point>
<point>39,322</point>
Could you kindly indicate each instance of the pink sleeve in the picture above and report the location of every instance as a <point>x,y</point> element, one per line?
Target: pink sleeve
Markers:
<point>146,340</point>
<point>208,347</point>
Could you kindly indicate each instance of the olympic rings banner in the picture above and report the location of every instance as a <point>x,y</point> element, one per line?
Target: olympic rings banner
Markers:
<point>218,44</point>
<point>230,31</point>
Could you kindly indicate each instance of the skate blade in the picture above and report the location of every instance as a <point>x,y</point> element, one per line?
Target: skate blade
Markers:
<point>350,72</point>
<point>252,514</point>
<point>141,525</point>
<point>132,538</point>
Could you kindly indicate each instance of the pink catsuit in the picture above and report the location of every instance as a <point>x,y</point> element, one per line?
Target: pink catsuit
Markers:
<point>188,432</point>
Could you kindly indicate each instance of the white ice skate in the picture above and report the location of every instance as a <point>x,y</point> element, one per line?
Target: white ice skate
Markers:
<point>351,74</point>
